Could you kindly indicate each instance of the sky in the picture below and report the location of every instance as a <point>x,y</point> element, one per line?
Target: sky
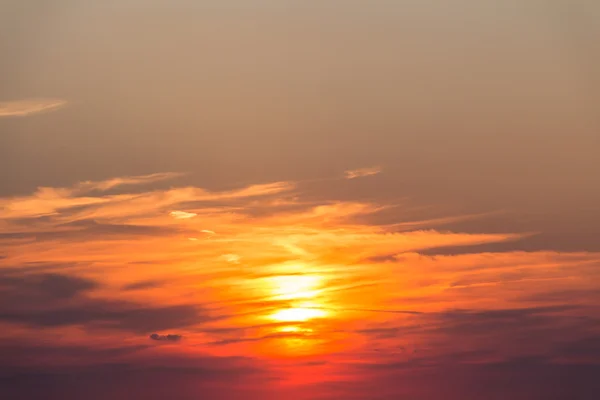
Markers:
<point>264,199</point>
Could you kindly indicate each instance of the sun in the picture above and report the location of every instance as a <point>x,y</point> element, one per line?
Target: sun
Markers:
<point>302,294</point>
<point>298,314</point>
<point>293,287</point>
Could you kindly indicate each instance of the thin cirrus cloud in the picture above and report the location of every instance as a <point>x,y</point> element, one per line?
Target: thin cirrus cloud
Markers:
<point>24,108</point>
<point>126,181</point>
<point>363,172</point>
<point>182,214</point>
<point>81,199</point>
<point>231,258</point>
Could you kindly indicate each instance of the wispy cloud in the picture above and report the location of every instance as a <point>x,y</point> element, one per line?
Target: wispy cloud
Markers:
<point>231,258</point>
<point>362,172</point>
<point>48,201</point>
<point>285,275</point>
<point>125,181</point>
<point>182,214</point>
<point>23,108</point>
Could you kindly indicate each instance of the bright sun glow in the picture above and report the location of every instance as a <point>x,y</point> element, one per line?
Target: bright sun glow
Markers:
<point>297,287</point>
<point>292,287</point>
<point>293,329</point>
<point>297,314</point>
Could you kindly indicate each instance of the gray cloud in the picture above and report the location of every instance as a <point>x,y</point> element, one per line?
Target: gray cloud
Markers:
<point>149,284</point>
<point>507,322</point>
<point>13,350</point>
<point>87,229</point>
<point>563,296</point>
<point>383,258</point>
<point>167,338</point>
<point>279,335</point>
<point>118,372</point>
<point>517,378</point>
<point>108,314</point>
<point>42,288</point>
<point>48,300</point>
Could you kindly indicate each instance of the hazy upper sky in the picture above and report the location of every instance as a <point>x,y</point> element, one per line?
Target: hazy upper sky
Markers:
<point>160,159</point>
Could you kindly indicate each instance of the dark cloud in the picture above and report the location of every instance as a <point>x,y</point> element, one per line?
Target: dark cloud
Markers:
<point>503,314</point>
<point>168,338</point>
<point>369,310</point>
<point>496,278</point>
<point>520,378</point>
<point>583,349</point>
<point>86,229</point>
<point>109,314</point>
<point>280,335</point>
<point>557,332</point>
<point>14,350</point>
<point>122,373</point>
<point>504,323</point>
<point>551,234</point>
<point>99,228</point>
<point>52,299</point>
<point>62,286</point>
<point>37,267</point>
<point>382,333</point>
<point>383,258</point>
<point>119,373</point>
<point>41,288</point>
<point>142,285</point>
<point>472,249</point>
<point>564,296</point>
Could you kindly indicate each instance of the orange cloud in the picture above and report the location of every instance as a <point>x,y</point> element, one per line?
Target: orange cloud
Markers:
<point>283,275</point>
<point>23,108</point>
<point>182,215</point>
<point>125,181</point>
<point>62,201</point>
<point>362,172</point>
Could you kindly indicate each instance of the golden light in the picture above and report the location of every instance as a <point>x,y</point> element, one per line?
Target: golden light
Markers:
<point>293,329</point>
<point>297,287</point>
<point>292,287</point>
<point>297,314</point>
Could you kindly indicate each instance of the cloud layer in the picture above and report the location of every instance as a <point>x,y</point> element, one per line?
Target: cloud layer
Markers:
<point>330,297</point>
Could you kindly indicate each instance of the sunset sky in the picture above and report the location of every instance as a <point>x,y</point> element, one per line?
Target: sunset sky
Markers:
<point>281,199</point>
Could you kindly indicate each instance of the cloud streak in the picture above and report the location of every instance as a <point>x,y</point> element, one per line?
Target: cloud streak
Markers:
<point>88,186</point>
<point>182,214</point>
<point>24,108</point>
<point>362,172</point>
